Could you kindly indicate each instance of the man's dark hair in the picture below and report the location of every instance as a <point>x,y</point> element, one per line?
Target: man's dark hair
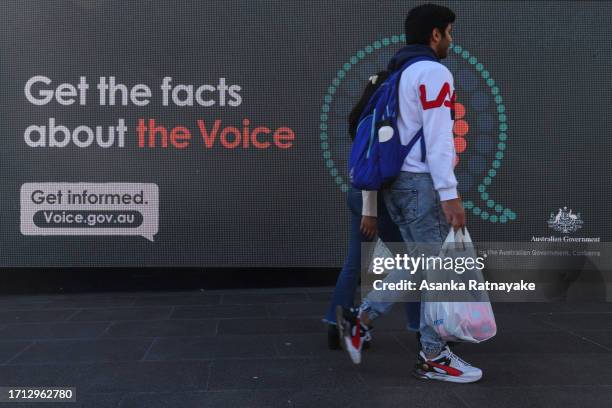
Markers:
<point>421,21</point>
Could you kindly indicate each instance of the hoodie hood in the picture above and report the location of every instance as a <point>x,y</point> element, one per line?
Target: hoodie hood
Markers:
<point>409,52</point>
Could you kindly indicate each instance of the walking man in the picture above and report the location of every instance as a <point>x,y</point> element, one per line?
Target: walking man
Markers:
<point>423,200</point>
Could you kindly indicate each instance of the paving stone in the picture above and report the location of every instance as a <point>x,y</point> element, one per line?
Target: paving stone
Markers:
<point>177,300</point>
<point>219,312</point>
<point>112,377</point>
<point>258,298</point>
<point>163,328</point>
<point>315,346</point>
<point>33,316</point>
<point>212,399</point>
<point>79,351</point>
<point>369,397</point>
<point>48,375</point>
<point>320,297</point>
<point>537,397</point>
<point>162,376</point>
<point>61,330</point>
<point>211,348</point>
<point>284,373</point>
<point>23,305</point>
<point>91,303</point>
<point>579,321</point>
<point>601,337</point>
<point>522,342</point>
<point>541,369</point>
<point>143,313</point>
<point>269,326</point>
<point>305,309</point>
<point>9,349</point>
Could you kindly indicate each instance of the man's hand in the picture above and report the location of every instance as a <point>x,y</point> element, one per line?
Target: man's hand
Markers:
<point>368,226</point>
<point>454,212</point>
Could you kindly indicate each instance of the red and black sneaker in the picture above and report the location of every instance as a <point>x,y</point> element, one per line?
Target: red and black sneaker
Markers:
<point>353,333</point>
<point>447,366</point>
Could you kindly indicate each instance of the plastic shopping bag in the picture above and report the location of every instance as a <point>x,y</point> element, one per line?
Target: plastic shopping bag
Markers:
<point>469,319</point>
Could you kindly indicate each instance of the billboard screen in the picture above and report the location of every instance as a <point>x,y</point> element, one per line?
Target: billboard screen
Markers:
<point>163,133</point>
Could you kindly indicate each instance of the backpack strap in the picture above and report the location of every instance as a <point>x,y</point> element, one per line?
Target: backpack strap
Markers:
<point>419,135</point>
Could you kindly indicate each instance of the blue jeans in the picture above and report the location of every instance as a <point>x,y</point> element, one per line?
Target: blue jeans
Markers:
<point>346,285</point>
<point>414,205</point>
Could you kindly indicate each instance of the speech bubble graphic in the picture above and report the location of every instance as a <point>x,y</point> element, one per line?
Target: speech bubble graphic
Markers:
<point>90,209</point>
<point>480,132</point>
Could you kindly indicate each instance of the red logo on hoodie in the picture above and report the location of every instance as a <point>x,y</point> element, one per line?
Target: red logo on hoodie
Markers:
<point>440,100</point>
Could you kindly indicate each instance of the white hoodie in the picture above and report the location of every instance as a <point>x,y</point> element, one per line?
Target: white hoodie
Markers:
<point>426,93</point>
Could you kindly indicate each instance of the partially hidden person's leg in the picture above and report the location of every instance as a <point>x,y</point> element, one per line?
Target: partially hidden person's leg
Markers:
<point>390,234</point>
<point>348,279</point>
<point>401,201</point>
<point>378,303</point>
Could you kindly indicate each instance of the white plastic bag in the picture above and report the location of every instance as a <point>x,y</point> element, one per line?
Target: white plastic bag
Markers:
<point>466,321</point>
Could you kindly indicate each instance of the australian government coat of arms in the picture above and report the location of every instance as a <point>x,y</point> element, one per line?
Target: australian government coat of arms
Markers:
<point>565,221</point>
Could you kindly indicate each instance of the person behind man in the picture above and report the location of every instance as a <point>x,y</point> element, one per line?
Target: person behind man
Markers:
<point>423,200</point>
<point>369,217</point>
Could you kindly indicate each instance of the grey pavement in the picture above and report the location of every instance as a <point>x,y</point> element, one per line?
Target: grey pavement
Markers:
<point>267,348</point>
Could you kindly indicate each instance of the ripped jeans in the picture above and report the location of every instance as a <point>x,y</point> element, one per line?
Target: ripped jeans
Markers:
<point>414,205</point>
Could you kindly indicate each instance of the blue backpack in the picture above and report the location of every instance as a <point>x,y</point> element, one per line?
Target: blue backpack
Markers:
<point>377,153</point>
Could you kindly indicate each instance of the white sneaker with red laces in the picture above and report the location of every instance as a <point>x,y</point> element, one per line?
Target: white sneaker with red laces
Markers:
<point>353,333</point>
<point>447,366</point>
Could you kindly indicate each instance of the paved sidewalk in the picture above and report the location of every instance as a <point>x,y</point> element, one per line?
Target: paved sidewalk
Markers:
<point>267,348</point>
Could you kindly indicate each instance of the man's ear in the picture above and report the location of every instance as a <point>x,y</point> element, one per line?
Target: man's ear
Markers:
<point>436,35</point>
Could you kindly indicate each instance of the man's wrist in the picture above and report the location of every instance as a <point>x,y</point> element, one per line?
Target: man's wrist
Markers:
<point>447,194</point>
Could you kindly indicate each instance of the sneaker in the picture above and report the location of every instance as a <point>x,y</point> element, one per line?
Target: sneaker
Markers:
<point>446,367</point>
<point>353,334</point>
<point>333,339</point>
